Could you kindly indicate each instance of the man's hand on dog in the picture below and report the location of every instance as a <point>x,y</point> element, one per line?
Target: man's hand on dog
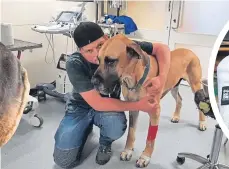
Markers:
<point>154,86</point>
<point>148,104</point>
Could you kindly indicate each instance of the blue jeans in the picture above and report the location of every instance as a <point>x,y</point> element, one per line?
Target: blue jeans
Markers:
<point>75,127</point>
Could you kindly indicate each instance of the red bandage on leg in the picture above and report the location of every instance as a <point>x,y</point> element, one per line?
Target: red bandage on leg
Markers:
<point>152,132</point>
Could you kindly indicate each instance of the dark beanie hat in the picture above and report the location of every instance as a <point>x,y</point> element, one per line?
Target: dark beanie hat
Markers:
<point>87,32</point>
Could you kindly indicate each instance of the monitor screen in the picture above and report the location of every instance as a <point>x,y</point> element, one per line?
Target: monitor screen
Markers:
<point>66,16</point>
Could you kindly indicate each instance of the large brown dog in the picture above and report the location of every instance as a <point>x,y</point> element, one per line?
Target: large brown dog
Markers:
<point>123,61</point>
<point>14,92</point>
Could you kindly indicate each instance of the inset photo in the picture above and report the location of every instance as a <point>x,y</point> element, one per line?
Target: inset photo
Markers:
<point>219,80</point>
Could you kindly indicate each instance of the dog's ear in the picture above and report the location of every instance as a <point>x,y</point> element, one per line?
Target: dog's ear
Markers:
<point>131,52</point>
<point>134,50</point>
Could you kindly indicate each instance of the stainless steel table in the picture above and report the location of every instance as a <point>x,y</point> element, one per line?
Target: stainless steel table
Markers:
<point>20,46</point>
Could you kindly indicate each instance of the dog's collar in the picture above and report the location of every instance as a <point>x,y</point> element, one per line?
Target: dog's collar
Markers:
<point>143,78</point>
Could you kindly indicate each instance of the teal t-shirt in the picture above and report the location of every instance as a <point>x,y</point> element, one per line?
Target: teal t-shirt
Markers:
<point>80,72</point>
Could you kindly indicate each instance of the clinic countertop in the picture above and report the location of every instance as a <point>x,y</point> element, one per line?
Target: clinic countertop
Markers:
<point>20,45</point>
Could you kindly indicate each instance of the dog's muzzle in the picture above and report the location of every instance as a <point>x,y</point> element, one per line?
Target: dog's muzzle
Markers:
<point>98,83</point>
<point>96,80</point>
<point>104,86</point>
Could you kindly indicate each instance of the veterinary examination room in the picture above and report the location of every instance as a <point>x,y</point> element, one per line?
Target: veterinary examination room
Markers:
<point>113,84</point>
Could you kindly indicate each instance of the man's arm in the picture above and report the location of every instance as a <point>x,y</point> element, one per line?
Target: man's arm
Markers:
<point>162,53</point>
<point>155,85</point>
<point>105,104</point>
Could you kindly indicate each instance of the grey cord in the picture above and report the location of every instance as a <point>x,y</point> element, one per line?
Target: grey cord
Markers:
<point>49,44</point>
<point>53,51</point>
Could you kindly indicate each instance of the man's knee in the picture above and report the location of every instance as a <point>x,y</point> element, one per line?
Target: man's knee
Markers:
<point>114,126</point>
<point>66,159</point>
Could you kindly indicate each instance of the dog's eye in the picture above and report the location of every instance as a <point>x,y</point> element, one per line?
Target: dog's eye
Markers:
<point>110,61</point>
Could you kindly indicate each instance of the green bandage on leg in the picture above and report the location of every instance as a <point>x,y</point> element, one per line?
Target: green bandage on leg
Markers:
<point>203,103</point>
<point>204,107</point>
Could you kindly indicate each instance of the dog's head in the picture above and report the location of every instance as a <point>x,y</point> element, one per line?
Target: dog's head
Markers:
<point>117,57</point>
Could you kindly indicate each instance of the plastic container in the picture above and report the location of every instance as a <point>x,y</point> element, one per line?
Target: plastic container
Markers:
<point>223,88</point>
<point>6,34</point>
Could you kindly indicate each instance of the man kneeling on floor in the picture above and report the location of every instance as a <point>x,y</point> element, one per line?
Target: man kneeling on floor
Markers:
<point>87,107</point>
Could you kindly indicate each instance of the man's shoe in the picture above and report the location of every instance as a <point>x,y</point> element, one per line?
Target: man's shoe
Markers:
<point>103,155</point>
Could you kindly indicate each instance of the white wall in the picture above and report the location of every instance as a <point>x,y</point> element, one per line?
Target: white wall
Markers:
<point>151,18</point>
<point>148,15</point>
<point>23,14</point>
<point>209,17</point>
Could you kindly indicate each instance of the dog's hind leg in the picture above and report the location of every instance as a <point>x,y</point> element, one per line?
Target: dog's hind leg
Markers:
<point>176,95</point>
<point>194,72</point>
<point>127,152</point>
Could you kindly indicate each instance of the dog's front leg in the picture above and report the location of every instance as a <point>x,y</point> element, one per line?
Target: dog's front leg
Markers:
<point>145,157</point>
<point>176,95</point>
<point>127,152</point>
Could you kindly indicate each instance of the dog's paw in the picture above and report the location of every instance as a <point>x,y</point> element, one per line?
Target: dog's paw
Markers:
<point>175,119</point>
<point>143,161</point>
<point>202,126</point>
<point>126,155</point>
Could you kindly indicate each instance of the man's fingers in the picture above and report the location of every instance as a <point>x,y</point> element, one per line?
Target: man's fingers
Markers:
<point>153,92</point>
<point>152,88</point>
<point>155,104</point>
<point>148,83</point>
<point>150,97</point>
<point>156,91</point>
<point>153,100</point>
